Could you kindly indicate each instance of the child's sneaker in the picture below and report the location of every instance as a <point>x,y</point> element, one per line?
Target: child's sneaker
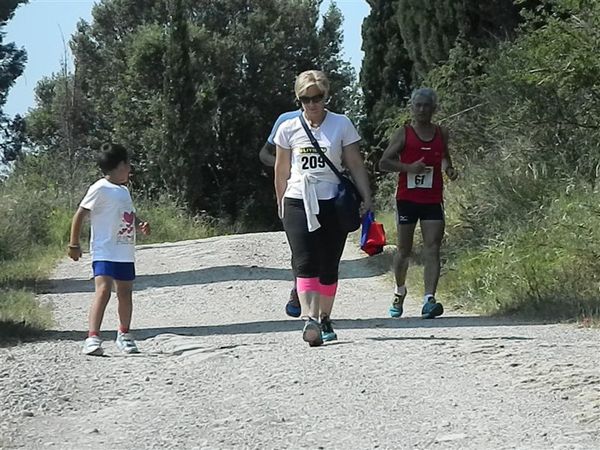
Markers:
<point>126,344</point>
<point>93,346</point>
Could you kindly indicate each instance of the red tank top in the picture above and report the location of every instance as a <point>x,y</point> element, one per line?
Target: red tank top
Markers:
<point>428,186</point>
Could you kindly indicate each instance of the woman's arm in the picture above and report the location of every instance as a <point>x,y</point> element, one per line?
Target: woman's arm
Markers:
<point>353,160</point>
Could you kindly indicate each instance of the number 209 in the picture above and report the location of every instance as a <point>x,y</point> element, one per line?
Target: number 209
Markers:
<point>312,162</point>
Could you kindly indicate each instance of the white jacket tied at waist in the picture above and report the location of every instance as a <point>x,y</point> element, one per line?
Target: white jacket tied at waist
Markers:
<point>308,186</point>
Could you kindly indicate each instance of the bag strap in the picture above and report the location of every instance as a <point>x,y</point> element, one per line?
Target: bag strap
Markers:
<point>317,147</point>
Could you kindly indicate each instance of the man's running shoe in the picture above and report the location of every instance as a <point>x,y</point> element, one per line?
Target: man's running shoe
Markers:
<point>312,333</point>
<point>93,346</point>
<point>432,309</point>
<point>126,344</point>
<point>292,307</point>
<point>397,307</point>
<point>327,333</point>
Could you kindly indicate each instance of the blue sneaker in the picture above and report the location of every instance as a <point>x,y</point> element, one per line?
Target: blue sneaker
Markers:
<point>327,333</point>
<point>432,309</point>
<point>312,333</point>
<point>397,307</point>
<point>292,307</point>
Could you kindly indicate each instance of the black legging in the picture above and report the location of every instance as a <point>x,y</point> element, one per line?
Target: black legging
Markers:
<point>315,254</point>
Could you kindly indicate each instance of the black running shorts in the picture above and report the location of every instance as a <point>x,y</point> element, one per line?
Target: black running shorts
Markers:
<point>411,212</point>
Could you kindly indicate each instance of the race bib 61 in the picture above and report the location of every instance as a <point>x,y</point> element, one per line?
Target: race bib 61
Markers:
<point>420,180</point>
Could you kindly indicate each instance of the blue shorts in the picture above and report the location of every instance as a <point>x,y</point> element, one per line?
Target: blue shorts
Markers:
<point>121,271</point>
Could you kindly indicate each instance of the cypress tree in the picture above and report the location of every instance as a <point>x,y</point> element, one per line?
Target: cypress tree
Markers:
<point>430,28</point>
<point>385,74</point>
<point>180,157</point>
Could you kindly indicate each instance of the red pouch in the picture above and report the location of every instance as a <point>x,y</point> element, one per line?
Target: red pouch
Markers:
<point>372,236</point>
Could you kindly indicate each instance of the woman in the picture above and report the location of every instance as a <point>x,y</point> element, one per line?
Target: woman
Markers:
<point>306,187</point>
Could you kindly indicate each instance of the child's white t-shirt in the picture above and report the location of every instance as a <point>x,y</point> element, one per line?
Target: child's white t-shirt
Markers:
<point>113,222</point>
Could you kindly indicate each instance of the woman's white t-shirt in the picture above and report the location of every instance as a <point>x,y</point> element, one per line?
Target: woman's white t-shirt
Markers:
<point>311,179</point>
<point>335,132</point>
<point>113,222</point>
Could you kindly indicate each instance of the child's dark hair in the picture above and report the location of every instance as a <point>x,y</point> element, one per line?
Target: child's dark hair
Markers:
<point>110,156</point>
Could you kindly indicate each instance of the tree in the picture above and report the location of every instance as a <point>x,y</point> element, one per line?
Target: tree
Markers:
<point>385,74</point>
<point>58,127</point>
<point>181,157</point>
<point>12,63</point>
<point>193,89</point>
<point>430,28</point>
<point>340,73</point>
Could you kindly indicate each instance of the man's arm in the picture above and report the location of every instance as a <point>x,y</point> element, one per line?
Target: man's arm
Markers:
<point>267,154</point>
<point>447,166</point>
<point>390,160</point>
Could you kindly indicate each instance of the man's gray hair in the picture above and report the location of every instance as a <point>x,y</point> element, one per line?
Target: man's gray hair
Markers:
<point>425,92</point>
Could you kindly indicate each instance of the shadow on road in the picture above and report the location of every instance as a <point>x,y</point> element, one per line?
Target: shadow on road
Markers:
<point>282,326</point>
<point>357,268</point>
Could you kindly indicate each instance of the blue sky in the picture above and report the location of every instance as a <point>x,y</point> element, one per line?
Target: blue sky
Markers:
<point>40,26</point>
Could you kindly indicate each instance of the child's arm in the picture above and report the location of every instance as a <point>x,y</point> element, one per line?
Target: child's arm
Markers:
<point>144,227</point>
<point>74,247</point>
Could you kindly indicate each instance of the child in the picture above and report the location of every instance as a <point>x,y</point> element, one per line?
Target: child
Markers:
<point>112,245</point>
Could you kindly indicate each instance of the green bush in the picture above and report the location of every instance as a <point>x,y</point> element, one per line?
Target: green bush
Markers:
<point>21,314</point>
<point>170,222</point>
<point>547,267</point>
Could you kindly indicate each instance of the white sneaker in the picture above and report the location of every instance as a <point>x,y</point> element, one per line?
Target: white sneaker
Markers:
<point>93,346</point>
<point>126,344</point>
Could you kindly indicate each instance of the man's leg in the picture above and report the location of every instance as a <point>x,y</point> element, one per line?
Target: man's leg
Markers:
<point>401,260</point>
<point>433,232</point>
<point>404,249</point>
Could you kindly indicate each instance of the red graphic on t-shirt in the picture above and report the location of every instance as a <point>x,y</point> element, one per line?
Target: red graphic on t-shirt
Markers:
<point>127,224</point>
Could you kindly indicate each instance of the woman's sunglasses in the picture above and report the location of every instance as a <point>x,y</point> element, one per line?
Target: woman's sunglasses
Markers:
<point>314,99</point>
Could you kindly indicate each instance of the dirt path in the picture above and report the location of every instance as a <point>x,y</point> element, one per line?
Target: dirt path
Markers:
<point>223,367</point>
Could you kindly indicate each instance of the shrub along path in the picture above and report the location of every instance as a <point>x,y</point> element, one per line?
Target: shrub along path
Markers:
<point>223,367</point>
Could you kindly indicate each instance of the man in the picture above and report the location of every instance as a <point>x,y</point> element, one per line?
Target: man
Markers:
<point>267,157</point>
<point>419,153</point>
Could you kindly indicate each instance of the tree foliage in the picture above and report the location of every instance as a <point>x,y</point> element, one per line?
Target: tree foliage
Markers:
<point>430,28</point>
<point>193,89</point>
<point>12,64</point>
<point>385,73</point>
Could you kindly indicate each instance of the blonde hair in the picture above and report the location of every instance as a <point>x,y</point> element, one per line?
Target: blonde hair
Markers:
<point>311,78</point>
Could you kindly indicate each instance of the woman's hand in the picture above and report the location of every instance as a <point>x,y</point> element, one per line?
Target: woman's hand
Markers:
<point>366,205</point>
